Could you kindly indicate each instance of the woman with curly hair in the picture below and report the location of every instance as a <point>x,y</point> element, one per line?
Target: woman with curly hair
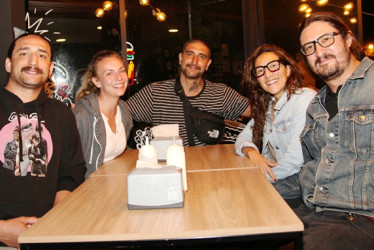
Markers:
<point>274,84</point>
<point>103,119</point>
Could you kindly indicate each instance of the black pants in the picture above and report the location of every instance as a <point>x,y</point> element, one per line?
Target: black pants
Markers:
<point>335,230</point>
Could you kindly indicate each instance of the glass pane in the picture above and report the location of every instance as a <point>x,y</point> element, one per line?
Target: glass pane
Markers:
<point>76,22</point>
<point>282,19</point>
<point>219,23</point>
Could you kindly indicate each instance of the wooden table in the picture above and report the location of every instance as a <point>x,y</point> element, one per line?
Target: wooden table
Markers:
<point>224,203</point>
<point>207,158</point>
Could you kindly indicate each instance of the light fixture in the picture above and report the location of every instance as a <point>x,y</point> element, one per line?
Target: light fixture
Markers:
<point>144,2</point>
<point>173,30</point>
<point>303,7</point>
<point>161,16</point>
<point>99,12</point>
<point>346,12</point>
<point>307,14</point>
<point>107,5</point>
<point>322,2</point>
<point>99,27</point>
<point>348,6</point>
<point>61,40</point>
<point>353,20</point>
<point>309,10</point>
<point>369,50</point>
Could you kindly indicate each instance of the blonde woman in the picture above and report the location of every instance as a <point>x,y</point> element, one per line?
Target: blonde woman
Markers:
<point>104,120</point>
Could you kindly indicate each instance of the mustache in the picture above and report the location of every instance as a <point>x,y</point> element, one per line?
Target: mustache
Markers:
<point>27,68</point>
<point>192,64</point>
<point>326,56</point>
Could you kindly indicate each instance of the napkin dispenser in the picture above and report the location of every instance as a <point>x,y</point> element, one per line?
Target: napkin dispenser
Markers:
<point>161,144</point>
<point>155,188</point>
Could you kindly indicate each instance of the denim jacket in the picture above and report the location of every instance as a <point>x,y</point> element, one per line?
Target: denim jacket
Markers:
<point>339,154</point>
<point>283,135</point>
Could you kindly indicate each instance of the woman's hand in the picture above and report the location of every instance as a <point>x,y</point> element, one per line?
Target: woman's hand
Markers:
<point>260,161</point>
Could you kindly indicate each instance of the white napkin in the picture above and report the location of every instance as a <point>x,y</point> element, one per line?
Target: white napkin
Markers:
<point>165,130</point>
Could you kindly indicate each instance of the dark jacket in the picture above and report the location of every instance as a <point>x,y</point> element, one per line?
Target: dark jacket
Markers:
<point>21,192</point>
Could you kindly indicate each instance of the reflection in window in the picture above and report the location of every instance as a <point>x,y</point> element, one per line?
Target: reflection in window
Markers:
<point>218,22</point>
<point>76,35</point>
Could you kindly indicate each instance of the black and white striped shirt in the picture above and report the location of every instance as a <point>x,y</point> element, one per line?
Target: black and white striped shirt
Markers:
<point>158,104</point>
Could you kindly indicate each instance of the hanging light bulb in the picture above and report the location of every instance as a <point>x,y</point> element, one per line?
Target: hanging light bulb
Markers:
<point>107,5</point>
<point>307,14</point>
<point>322,2</point>
<point>369,50</point>
<point>348,6</point>
<point>161,16</point>
<point>346,13</point>
<point>144,2</point>
<point>99,12</point>
<point>353,20</point>
<point>303,7</point>
<point>309,10</point>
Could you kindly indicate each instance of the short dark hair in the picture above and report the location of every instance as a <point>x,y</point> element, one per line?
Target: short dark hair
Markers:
<point>196,40</point>
<point>13,44</point>
<point>329,17</point>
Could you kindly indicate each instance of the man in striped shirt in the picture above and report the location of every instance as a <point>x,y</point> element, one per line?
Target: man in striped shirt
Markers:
<point>157,103</point>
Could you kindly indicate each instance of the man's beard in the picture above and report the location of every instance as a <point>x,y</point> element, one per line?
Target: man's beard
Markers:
<point>330,72</point>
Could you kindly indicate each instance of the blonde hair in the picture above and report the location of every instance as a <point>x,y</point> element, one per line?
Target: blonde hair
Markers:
<point>88,86</point>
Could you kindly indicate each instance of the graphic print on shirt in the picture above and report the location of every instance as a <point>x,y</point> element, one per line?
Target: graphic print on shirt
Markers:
<point>36,152</point>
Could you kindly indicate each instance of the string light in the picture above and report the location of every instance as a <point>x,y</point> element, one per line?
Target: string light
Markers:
<point>161,16</point>
<point>307,10</point>
<point>321,2</point>
<point>303,7</point>
<point>348,6</point>
<point>144,2</point>
<point>369,50</point>
<point>99,12</point>
<point>107,5</point>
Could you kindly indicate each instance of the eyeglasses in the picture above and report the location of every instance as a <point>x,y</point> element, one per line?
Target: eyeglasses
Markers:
<point>272,67</point>
<point>324,41</point>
